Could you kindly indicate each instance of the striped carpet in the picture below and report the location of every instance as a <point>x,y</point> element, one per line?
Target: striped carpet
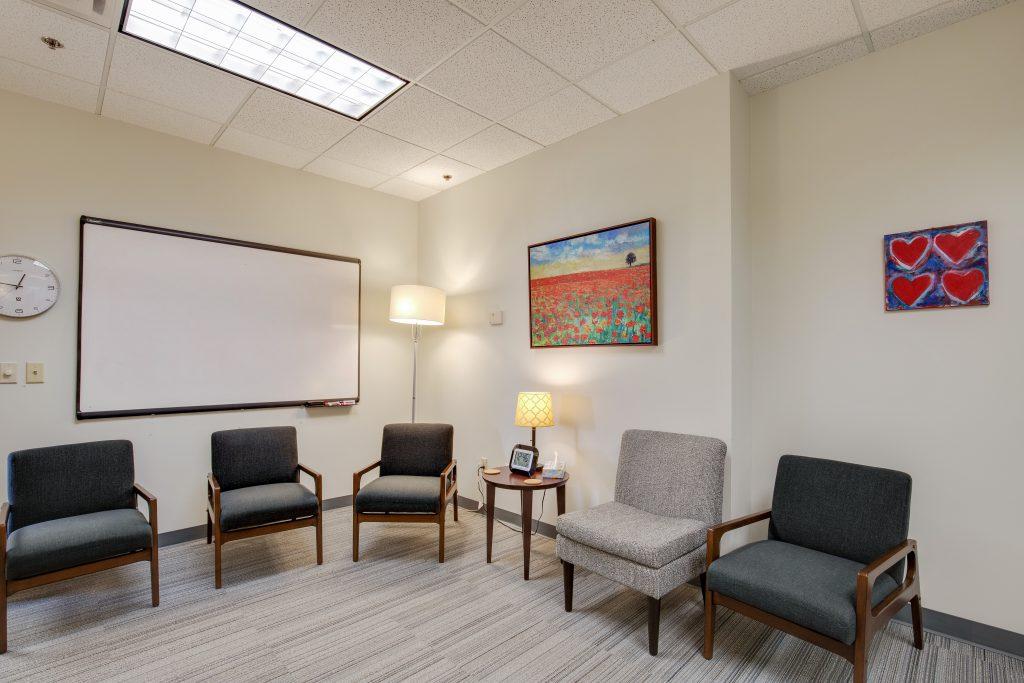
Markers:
<point>397,614</point>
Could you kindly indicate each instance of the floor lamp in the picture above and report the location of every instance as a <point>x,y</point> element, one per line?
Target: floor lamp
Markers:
<point>416,305</point>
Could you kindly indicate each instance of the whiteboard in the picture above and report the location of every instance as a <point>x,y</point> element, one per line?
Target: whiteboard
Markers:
<point>174,322</point>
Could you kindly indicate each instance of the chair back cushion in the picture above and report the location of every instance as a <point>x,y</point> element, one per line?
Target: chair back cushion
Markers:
<point>674,475</point>
<point>840,508</point>
<point>254,457</point>
<point>416,450</point>
<point>64,481</point>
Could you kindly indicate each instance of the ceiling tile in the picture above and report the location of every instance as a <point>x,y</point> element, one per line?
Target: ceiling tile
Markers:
<point>683,12</point>
<point>85,45</point>
<point>878,13</point>
<point>494,77</point>
<point>559,116</point>
<point>404,36</point>
<point>294,12</point>
<point>752,31</point>
<point>158,117</point>
<point>154,74</point>
<point>660,69</point>
<point>931,20</point>
<point>487,11</point>
<point>492,148</point>
<point>576,38</point>
<point>28,80</point>
<point>86,9</point>
<point>290,121</point>
<point>400,187</point>
<point>347,173</point>
<point>425,119</point>
<point>379,152</point>
<point>806,66</point>
<point>431,173</point>
<point>263,148</point>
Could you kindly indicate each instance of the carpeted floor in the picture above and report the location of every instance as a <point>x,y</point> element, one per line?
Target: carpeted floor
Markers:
<point>397,614</point>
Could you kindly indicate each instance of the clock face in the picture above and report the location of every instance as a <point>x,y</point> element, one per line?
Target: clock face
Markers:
<point>27,287</point>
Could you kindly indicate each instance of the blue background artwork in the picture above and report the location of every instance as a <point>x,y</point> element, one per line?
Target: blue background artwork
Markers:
<point>937,267</point>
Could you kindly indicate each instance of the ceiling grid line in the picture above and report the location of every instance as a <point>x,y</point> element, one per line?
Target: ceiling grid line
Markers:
<point>106,64</point>
<point>864,32</point>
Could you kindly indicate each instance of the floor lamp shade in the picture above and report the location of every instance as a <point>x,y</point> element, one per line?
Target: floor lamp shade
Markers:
<point>417,305</point>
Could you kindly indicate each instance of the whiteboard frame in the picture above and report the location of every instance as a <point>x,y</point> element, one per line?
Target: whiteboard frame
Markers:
<point>83,415</point>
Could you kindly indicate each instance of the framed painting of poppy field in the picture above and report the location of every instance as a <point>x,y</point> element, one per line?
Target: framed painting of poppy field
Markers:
<point>596,288</point>
<point>943,267</point>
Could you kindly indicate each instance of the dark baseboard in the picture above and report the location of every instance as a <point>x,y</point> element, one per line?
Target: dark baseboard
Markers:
<point>972,632</point>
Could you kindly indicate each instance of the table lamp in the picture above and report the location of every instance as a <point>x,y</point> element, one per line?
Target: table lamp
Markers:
<point>416,305</point>
<point>533,409</point>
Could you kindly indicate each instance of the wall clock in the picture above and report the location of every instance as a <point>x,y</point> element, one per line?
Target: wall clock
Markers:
<point>27,287</point>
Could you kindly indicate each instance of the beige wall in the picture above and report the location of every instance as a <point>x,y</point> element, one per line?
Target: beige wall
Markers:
<point>927,133</point>
<point>671,160</point>
<point>57,163</point>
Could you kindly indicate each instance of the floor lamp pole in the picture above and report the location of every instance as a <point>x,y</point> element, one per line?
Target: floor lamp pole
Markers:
<point>415,353</point>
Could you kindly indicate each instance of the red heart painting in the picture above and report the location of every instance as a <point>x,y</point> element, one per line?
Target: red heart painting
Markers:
<point>956,246</point>
<point>909,253</point>
<point>963,285</point>
<point>910,290</point>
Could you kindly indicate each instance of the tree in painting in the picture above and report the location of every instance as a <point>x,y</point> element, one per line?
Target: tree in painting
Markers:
<point>593,289</point>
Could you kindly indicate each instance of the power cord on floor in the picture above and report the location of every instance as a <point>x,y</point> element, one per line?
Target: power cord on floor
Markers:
<point>534,524</point>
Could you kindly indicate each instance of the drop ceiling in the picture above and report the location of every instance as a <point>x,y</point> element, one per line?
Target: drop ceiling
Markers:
<point>490,81</point>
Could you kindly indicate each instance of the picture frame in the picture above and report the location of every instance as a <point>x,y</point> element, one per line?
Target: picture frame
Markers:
<point>523,459</point>
<point>936,268</point>
<point>595,288</point>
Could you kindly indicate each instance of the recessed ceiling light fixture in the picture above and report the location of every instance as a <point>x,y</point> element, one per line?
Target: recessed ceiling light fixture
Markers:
<point>246,42</point>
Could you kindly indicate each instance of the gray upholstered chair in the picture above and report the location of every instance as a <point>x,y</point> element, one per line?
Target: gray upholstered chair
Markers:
<point>668,491</point>
<point>254,489</point>
<point>417,481</point>
<point>72,511</point>
<point>832,569</point>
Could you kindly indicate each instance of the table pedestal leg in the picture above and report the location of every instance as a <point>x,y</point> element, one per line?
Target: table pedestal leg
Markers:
<point>560,497</point>
<point>490,519</point>
<point>527,528</point>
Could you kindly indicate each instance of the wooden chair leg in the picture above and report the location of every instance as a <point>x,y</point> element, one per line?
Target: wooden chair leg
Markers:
<point>320,539</point>
<point>567,572</point>
<point>860,661</point>
<point>3,612</point>
<point>455,505</point>
<point>355,537</point>
<point>915,613</point>
<point>209,529</point>
<point>704,586</point>
<point>216,558</point>
<point>154,575</point>
<point>440,539</point>
<point>709,624</point>
<point>653,623</point>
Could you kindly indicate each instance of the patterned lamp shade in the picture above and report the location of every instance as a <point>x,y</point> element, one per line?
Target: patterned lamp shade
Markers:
<point>533,409</point>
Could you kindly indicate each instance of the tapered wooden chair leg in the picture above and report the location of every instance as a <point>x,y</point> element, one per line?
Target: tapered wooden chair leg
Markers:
<point>653,623</point>
<point>709,624</point>
<point>154,575</point>
<point>455,505</point>
<point>860,661</point>
<point>355,538</point>
<point>567,574</point>
<point>320,540</point>
<point>3,614</point>
<point>440,540</point>
<point>209,529</point>
<point>917,618</point>
<point>216,561</point>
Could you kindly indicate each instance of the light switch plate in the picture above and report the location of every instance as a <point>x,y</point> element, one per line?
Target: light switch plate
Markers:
<point>34,373</point>
<point>8,373</point>
<point>497,317</point>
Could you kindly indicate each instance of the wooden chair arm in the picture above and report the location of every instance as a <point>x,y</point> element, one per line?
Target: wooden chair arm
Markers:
<point>358,477</point>
<point>870,573</point>
<point>318,480</point>
<point>445,475</point>
<point>151,504</point>
<point>146,495</point>
<point>867,576</point>
<point>212,486</point>
<point>716,532</point>
<point>5,510</point>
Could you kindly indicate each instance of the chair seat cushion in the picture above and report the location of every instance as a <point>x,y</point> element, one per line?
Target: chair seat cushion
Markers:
<point>400,493</point>
<point>628,532</point>
<point>810,588</point>
<point>71,541</point>
<point>266,504</point>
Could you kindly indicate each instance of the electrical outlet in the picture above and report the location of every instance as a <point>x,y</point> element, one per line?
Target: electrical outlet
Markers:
<point>34,373</point>
<point>8,373</point>
<point>483,463</point>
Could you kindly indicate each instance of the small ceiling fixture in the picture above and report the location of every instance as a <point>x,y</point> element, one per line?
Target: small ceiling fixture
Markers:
<point>447,176</point>
<point>52,43</point>
<point>236,38</point>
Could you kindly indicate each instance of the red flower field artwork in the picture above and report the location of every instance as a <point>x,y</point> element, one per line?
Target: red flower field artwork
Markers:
<point>595,289</point>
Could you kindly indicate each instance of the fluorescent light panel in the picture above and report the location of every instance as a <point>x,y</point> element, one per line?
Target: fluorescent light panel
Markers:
<point>238,39</point>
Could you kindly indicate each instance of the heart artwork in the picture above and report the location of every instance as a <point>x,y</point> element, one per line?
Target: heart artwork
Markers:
<point>910,290</point>
<point>963,286</point>
<point>957,246</point>
<point>910,254</point>
<point>942,267</point>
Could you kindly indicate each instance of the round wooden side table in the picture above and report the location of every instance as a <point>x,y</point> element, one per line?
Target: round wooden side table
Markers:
<point>507,479</point>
